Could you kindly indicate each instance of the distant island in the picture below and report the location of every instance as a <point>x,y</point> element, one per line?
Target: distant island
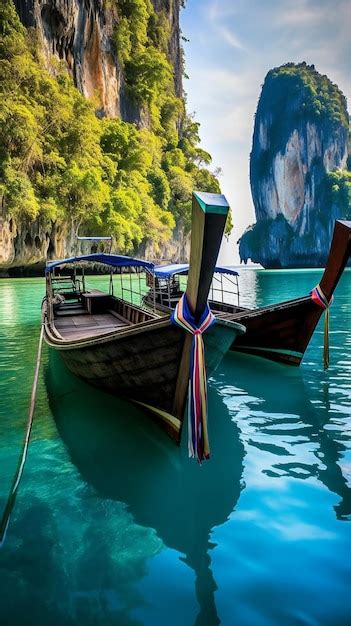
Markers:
<point>299,174</point>
<point>94,131</point>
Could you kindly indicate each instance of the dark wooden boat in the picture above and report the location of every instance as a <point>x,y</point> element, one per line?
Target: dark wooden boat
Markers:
<point>281,332</point>
<point>127,350</point>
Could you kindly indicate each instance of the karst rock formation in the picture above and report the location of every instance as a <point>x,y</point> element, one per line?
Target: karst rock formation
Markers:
<point>300,139</point>
<point>80,34</point>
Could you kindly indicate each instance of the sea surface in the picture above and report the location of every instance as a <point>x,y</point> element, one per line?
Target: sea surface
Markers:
<point>113,525</point>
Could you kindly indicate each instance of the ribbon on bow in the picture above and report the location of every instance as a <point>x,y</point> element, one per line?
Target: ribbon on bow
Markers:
<point>320,299</point>
<point>197,401</point>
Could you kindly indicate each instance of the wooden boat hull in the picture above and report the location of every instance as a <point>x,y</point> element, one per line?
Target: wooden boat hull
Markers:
<point>282,332</point>
<point>142,364</point>
<point>279,333</point>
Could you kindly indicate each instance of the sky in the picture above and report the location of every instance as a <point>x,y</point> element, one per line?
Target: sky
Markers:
<point>232,45</point>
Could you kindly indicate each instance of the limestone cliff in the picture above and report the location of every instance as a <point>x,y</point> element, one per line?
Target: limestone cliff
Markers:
<point>300,137</point>
<point>81,33</point>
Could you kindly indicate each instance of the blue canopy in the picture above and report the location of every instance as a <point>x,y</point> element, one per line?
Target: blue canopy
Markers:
<point>166,271</point>
<point>113,260</point>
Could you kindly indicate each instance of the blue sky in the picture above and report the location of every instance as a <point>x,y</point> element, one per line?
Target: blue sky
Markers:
<point>233,44</point>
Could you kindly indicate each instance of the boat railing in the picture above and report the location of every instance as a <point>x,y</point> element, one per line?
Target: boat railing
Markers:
<point>168,290</point>
<point>69,286</point>
<point>132,285</point>
<point>224,289</point>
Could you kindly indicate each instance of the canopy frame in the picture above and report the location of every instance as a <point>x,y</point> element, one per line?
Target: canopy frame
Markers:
<point>168,288</point>
<point>72,286</point>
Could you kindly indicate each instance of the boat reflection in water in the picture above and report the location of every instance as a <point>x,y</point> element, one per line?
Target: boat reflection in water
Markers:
<point>126,458</point>
<point>288,418</point>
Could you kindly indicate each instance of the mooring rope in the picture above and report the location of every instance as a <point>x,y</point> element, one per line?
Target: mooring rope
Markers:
<point>321,300</point>
<point>5,520</point>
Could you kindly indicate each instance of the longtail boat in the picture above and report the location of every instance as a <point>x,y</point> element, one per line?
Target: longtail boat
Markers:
<point>280,332</point>
<point>142,354</point>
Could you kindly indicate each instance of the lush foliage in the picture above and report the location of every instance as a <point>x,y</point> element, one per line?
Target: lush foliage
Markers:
<point>61,163</point>
<point>142,38</point>
<point>318,96</point>
<point>339,188</point>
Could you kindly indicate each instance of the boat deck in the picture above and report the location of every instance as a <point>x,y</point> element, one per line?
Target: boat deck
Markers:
<point>78,324</point>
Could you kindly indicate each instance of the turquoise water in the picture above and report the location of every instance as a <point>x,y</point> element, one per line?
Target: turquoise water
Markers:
<point>113,525</point>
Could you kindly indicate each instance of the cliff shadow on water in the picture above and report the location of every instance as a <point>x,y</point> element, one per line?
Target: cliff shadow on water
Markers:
<point>125,457</point>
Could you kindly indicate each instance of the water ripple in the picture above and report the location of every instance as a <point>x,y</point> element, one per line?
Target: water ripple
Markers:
<point>111,527</point>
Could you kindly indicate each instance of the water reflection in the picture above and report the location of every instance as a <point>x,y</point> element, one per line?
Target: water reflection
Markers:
<point>248,286</point>
<point>8,308</point>
<point>291,421</point>
<point>126,458</point>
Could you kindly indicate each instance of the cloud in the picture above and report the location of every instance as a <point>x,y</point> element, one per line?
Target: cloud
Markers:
<point>230,37</point>
<point>218,16</point>
<point>218,10</point>
<point>232,47</point>
<point>300,13</point>
<point>230,101</point>
<point>323,24</point>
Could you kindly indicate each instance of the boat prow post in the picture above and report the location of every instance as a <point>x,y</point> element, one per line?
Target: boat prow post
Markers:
<point>339,254</point>
<point>209,215</point>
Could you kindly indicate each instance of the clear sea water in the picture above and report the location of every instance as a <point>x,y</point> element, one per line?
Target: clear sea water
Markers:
<point>113,525</point>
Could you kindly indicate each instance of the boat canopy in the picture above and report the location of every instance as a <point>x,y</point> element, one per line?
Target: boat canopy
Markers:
<point>113,260</point>
<point>167,271</point>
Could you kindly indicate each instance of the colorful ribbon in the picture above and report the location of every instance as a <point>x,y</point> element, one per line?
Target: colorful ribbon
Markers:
<point>320,299</point>
<point>197,402</point>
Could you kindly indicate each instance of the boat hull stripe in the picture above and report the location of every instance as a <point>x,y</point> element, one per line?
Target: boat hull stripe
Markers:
<point>174,422</point>
<point>276,350</point>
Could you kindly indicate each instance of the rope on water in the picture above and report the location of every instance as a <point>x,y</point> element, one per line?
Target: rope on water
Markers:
<point>182,316</point>
<point>321,300</point>
<point>5,520</point>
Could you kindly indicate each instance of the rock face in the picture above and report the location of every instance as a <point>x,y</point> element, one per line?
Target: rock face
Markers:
<point>80,32</point>
<point>24,247</point>
<point>300,136</point>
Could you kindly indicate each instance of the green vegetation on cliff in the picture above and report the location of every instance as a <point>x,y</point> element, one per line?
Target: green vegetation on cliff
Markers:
<point>61,163</point>
<point>141,39</point>
<point>338,187</point>
<point>318,96</point>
